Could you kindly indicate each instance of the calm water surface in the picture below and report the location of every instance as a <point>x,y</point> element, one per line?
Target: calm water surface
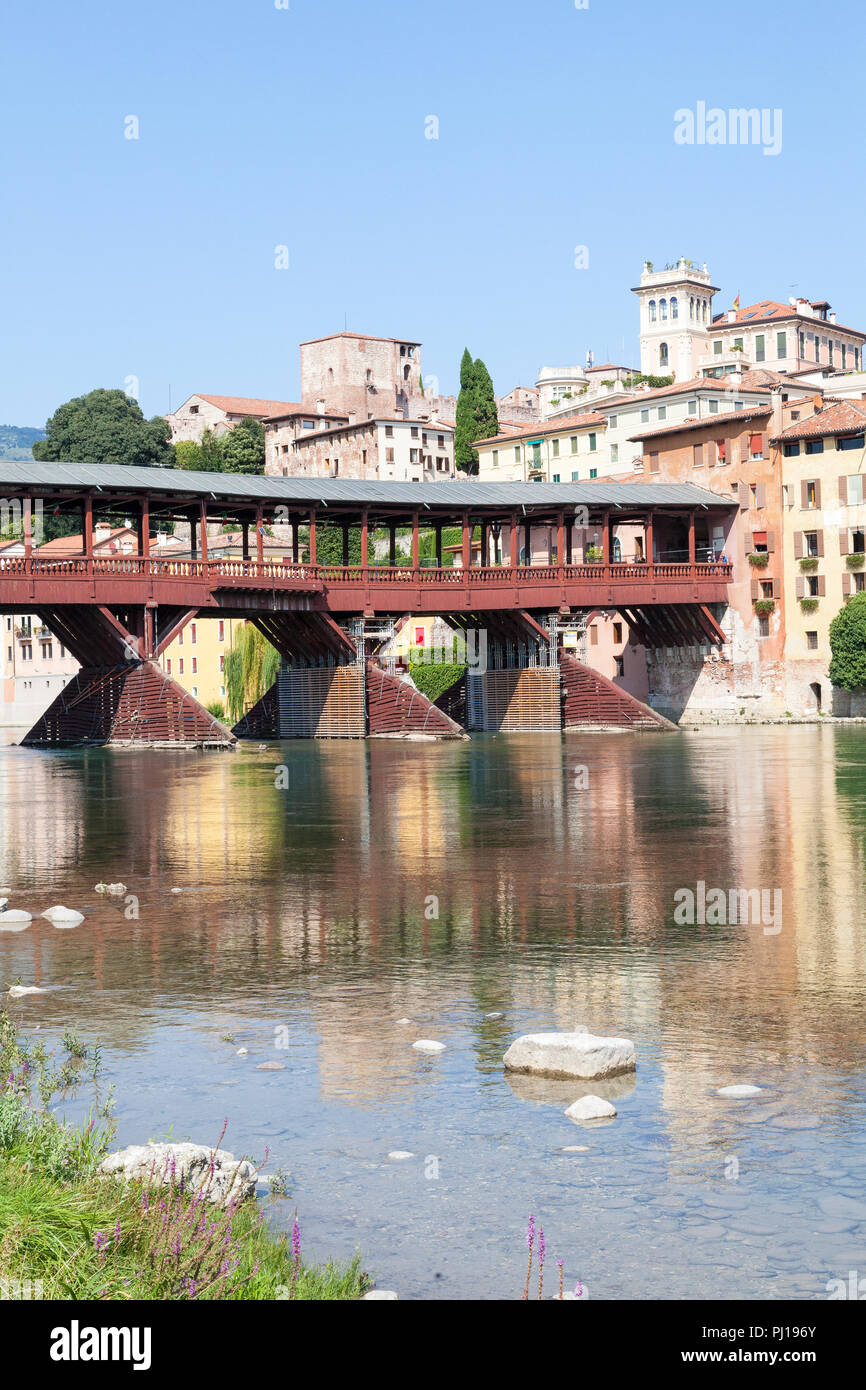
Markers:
<point>306,929</point>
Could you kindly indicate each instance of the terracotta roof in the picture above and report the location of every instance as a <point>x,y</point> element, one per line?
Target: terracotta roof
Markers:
<point>543,428</point>
<point>73,545</point>
<point>365,337</point>
<point>250,405</point>
<point>770,310</point>
<point>709,421</point>
<point>837,417</point>
<point>611,367</point>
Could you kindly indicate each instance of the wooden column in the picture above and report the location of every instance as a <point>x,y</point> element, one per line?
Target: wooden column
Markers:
<point>28,527</point>
<point>438,545</point>
<point>648,529</point>
<point>260,539</point>
<point>202,510</point>
<point>88,526</point>
<point>245,540</point>
<point>569,541</point>
<point>144,529</point>
<point>605,538</point>
<point>691,538</point>
<point>313,560</point>
<point>345,548</point>
<point>467,542</point>
<point>415,541</point>
<point>392,544</point>
<point>560,539</point>
<point>295,541</point>
<point>512,541</point>
<point>193,544</point>
<point>527,543</point>
<point>365,539</point>
<point>485,551</point>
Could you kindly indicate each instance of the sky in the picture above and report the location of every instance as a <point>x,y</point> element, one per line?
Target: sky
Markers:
<point>152,264</point>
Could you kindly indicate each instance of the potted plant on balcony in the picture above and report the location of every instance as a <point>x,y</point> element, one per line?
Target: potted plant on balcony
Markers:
<point>855,560</point>
<point>759,560</point>
<point>808,605</point>
<point>764,607</point>
<point>809,562</point>
<point>593,555</point>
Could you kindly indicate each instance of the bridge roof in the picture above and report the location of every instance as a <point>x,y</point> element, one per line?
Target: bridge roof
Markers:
<point>448,495</point>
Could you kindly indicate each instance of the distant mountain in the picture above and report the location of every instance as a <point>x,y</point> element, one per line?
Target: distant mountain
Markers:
<point>16,441</point>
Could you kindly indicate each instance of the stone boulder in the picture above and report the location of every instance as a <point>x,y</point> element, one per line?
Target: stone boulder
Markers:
<point>14,920</point>
<point>579,1055</point>
<point>63,916</point>
<point>739,1092</point>
<point>591,1108</point>
<point>233,1179</point>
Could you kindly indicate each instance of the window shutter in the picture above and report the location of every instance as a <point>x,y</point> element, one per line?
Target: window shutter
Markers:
<point>743,494</point>
<point>804,496</point>
<point>654,463</point>
<point>762,495</point>
<point>822,585</point>
<point>771,542</point>
<point>756,589</point>
<point>748,542</point>
<point>777,588</point>
<point>846,583</point>
<point>818,494</point>
<point>844,543</point>
<point>698,455</point>
<point>745,450</point>
<point>843,492</point>
<point>798,545</point>
<point>820,535</point>
<point>801,586</point>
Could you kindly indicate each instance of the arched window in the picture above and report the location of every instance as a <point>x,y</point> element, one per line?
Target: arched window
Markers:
<point>652,311</point>
<point>663,354</point>
<point>692,307</point>
<point>617,549</point>
<point>663,309</point>
<point>705,311</point>
<point>675,309</point>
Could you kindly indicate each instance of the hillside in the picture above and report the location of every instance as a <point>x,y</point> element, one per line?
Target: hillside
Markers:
<point>16,441</point>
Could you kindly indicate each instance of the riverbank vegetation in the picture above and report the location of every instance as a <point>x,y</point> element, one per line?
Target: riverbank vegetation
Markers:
<point>67,1233</point>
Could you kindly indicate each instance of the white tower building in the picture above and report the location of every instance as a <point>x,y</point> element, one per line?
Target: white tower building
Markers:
<point>676,315</point>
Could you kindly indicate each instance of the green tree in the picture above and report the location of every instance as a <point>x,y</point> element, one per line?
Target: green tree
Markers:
<point>105,427</point>
<point>243,448</point>
<point>477,416</point>
<point>187,454</point>
<point>848,645</point>
<point>250,670</point>
<point>329,545</point>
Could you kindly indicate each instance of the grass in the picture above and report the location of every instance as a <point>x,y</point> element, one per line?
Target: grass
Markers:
<point>90,1237</point>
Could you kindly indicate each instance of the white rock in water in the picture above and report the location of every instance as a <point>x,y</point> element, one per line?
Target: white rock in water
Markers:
<point>400,1153</point>
<point>591,1108</point>
<point>567,1055</point>
<point>404,1020</point>
<point>494,1015</point>
<point>17,991</point>
<point>177,890</point>
<point>428,1045</point>
<point>14,919</point>
<point>232,1179</point>
<point>4,903</point>
<point>380,1296</point>
<point>115,889</point>
<point>271,1066</point>
<point>737,1092</point>
<point>242,1052</point>
<point>64,916</point>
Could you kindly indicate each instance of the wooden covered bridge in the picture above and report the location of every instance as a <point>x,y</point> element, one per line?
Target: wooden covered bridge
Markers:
<point>549,556</point>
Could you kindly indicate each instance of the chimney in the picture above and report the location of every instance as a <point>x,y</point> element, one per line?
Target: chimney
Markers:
<point>320,407</point>
<point>817,404</point>
<point>161,537</point>
<point>732,316</point>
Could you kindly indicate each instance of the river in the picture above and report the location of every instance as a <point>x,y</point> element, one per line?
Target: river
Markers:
<point>329,890</point>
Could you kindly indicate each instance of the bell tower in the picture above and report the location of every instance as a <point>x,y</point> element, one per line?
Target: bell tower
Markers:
<point>676,315</point>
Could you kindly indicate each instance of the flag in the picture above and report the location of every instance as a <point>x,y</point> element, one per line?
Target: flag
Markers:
<point>737,302</point>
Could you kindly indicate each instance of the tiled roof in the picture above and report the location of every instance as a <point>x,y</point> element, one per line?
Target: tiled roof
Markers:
<point>770,309</point>
<point>251,405</point>
<point>541,429</point>
<point>716,421</point>
<point>837,417</point>
<point>72,545</point>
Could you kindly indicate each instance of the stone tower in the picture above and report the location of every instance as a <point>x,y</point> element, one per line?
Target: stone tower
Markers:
<point>676,315</point>
<point>352,374</point>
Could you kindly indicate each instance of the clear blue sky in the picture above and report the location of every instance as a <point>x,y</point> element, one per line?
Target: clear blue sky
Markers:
<point>305,127</point>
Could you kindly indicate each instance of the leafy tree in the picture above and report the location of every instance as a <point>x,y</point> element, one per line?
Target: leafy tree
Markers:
<point>211,456</point>
<point>187,454</point>
<point>848,645</point>
<point>105,427</point>
<point>250,670</point>
<point>477,416</point>
<point>329,545</point>
<point>243,448</point>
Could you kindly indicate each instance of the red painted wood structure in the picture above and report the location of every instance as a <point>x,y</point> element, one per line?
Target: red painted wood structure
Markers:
<point>115,611</point>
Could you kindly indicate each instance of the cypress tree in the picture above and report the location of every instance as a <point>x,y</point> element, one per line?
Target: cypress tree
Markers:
<point>477,416</point>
